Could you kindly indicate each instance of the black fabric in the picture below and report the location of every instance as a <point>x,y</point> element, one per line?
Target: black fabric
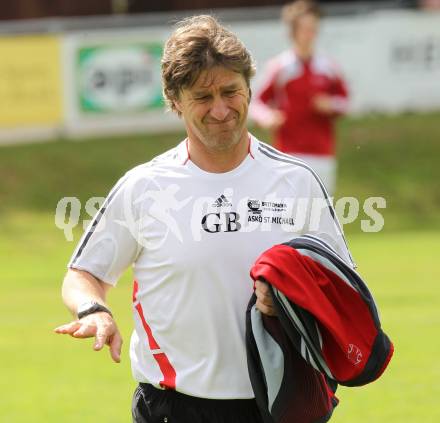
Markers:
<point>308,322</point>
<point>256,371</point>
<point>307,394</point>
<point>152,405</point>
<point>304,394</point>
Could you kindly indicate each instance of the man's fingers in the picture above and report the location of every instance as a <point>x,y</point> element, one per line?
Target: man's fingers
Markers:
<point>77,329</point>
<point>264,301</point>
<point>263,293</point>
<point>115,347</point>
<point>102,327</point>
<point>262,287</point>
<point>265,309</point>
<point>68,328</point>
<point>102,335</point>
<point>85,331</point>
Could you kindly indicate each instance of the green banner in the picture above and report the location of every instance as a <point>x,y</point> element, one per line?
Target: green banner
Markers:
<point>119,78</point>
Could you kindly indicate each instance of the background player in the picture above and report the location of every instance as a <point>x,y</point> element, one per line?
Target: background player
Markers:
<point>302,95</point>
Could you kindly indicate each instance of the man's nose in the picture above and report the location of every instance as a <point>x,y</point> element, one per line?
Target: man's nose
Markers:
<point>219,109</point>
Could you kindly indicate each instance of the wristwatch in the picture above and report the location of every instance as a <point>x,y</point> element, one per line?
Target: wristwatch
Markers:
<point>91,307</point>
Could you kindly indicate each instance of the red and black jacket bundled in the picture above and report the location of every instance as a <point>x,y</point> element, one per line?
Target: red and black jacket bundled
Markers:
<point>327,332</point>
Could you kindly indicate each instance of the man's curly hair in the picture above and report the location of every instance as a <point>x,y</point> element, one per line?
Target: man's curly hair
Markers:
<point>200,43</point>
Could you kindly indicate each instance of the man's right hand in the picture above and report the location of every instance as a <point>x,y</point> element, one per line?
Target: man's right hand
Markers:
<point>100,325</point>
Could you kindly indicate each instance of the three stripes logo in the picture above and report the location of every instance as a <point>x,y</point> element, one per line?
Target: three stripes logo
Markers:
<point>222,201</point>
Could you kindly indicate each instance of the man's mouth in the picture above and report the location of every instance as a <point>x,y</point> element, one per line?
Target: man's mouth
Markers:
<point>220,122</point>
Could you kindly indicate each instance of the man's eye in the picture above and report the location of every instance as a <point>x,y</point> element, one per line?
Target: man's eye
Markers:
<point>230,93</point>
<point>202,98</point>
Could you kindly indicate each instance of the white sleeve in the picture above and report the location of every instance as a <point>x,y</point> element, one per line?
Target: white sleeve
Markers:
<point>322,221</point>
<point>109,246</point>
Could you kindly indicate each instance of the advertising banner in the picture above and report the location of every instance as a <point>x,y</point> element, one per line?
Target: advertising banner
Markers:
<point>113,82</point>
<point>30,81</point>
<point>119,78</point>
<point>391,59</point>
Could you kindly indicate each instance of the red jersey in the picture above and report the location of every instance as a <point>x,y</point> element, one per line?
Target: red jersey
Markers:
<point>290,86</point>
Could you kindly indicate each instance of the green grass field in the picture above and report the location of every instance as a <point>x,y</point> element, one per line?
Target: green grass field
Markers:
<point>51,378</point>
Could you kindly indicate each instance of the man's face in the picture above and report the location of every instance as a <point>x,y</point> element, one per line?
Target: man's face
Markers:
<point>215,108</point>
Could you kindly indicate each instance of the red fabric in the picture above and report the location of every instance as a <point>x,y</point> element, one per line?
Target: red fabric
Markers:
<point>135,290</point>
<point>344,319</point>
<point>168,372</point>
<point>305,130</point>
<point>151,341</point>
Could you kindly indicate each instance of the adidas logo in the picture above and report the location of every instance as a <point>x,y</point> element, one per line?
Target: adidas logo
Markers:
<point>221,201</point>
